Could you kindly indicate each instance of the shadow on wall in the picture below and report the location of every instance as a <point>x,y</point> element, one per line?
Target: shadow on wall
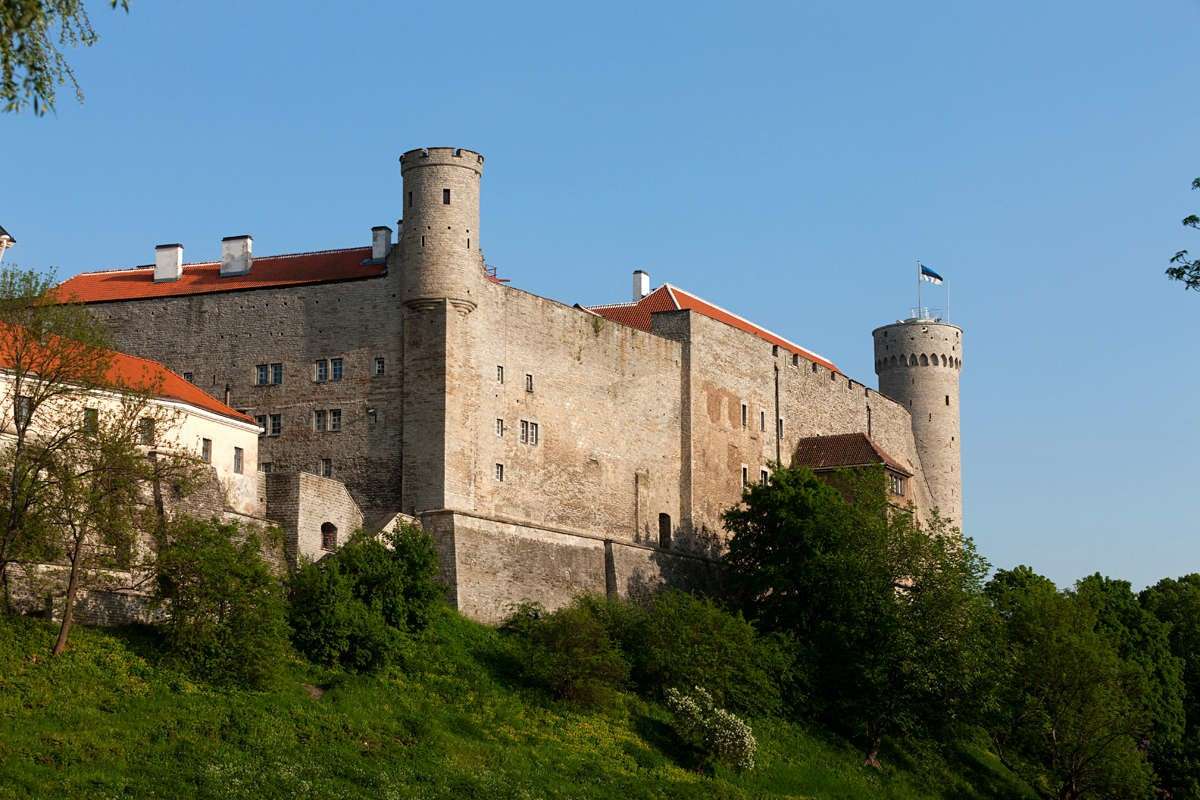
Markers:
<point>685,559</point>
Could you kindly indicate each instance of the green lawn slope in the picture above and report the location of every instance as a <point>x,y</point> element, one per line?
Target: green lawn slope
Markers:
<point>106,720</point>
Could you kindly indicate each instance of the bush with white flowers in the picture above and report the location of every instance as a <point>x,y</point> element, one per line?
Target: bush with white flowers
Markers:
<point>720,735</point>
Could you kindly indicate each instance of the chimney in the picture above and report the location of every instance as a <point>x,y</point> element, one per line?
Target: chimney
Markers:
<point>381,242</point>
<point>236,254</point>
<point>641,284</point>
<point>168,262</point>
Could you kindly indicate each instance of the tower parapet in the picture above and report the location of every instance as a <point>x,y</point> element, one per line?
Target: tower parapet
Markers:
<point>918,361</point>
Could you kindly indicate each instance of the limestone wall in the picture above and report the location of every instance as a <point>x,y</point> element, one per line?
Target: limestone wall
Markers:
<point>220,338</point>
<point>301,503</point>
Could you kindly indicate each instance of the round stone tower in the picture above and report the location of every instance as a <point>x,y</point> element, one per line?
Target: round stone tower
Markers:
<point>441,283</point>
<point>918,362</point>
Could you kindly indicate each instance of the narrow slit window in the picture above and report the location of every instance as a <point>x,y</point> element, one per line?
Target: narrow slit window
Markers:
<point>664,531</point>
<point>499,374</point>
<point>206,450</point>
<point>445,197</point>
<point>745,415</point>
<point>762,421</point>
<point>745,476</point>
<point>239,457</point>
<point>410,199</point>
<point>499,427</point>
<point>947,399</point>
<point>499,472</point>
<point>528,382</point>
<point>326,467</point>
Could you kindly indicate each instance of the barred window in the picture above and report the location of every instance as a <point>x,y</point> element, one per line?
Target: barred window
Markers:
<point>379,366</point>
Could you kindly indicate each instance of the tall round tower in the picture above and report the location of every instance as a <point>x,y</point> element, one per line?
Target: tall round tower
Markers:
<point>441,282</point>
<point>918,362</point>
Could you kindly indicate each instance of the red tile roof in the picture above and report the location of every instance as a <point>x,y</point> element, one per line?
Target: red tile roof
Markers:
<point>139,375</point>
<point>843,450</point>
<point>672,298</point>
<point>205,278</point>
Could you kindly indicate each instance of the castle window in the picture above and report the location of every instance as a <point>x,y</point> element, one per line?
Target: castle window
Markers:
<point>410,199</point>
<point>499,374</point>
<point>335,368</point>
<point>762,421</point>
<point>745,415</point>
<point>664,531</point>
<point>499,472</point>
<point>146,430</point>
<point>947,399</point>
<point>745,476</point>
<point>372,418</point>
<point>262,376</point>
<point>764,475</point>
<point>277,373</point>
<point>321,371</point>
<point>379,366</point>
<point>276,424</point>
<point>422,241</point>
<point>528,382</point>
<point>189,377</point>
<point>445,197</point>
<point>329,534</point>
<point>779,427</point>
<point>326,467</point>
<point>239,457</point>
<point>261,421</point>
<point>206,450</point>
<point>814,366</point>
<point>897,484</point>
<point>529,432</point>
<point>319,419</point>
<point>91,420</point>
<point>924,360</point>
<point>499,427</point>
<point>774,349</point>
<point>265,467</point>
<point>335,419</point>
<point>795,359</point>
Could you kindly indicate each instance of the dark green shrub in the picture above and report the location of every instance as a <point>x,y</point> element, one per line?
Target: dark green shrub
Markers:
<point>568,652</point>
<point>677,639</point>
<point>355,607</point>
<point>224,609</point>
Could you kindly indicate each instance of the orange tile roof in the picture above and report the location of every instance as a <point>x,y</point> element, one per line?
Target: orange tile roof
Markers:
<point>139,375</point>
<point>843,450</point>
<point>672,298</point>
<point>205,278</point>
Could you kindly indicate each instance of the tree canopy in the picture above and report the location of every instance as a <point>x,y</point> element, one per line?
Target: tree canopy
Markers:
<point>1183,267</point>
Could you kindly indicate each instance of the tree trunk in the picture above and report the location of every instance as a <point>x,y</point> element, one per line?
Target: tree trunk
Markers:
<point>874,740</point>
<point>69,608</point>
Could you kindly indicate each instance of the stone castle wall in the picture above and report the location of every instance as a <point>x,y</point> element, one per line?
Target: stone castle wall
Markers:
<point>220,338</point>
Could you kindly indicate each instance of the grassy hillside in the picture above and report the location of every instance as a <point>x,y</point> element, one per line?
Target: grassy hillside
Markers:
<point>107,721</point>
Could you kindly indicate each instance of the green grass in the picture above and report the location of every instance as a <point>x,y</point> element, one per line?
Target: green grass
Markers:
<point>105,720</point>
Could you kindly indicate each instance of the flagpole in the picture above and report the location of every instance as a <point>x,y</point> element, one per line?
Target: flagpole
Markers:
<point>918,288</point>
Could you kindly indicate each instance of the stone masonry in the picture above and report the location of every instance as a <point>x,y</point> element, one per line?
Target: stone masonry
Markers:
<point>548,449</point>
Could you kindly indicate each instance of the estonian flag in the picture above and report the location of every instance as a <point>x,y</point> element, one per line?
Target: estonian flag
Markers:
<point>929,275</point>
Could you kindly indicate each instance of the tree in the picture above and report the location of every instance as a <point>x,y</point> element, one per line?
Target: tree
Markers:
<point>225,611</point>
<point>355,606</point>
<point>889,619</point>
<point>32,66</point>
<point>97,490</point>
<point>1072,715</point>
<point>1187,269</point>
<point>1176,602</point>
<point>50,353</point>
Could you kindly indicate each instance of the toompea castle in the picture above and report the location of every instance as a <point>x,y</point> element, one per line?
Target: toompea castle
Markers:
<point>549,449</point>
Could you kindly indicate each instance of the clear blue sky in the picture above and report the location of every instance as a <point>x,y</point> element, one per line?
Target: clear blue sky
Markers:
<point>788,161</point>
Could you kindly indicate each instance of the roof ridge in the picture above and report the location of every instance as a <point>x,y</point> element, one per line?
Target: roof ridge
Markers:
<point>107,270</point>
<point>631,303</point>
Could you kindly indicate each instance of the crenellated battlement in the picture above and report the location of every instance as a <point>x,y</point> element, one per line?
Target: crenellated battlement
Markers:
<point>441,157</point>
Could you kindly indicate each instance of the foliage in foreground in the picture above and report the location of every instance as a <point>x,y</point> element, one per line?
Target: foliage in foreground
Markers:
<point>356,607</point>
<point>1183,267</point>
<point>719,735</point>
<point>225,613</point>
<point>110,718</point>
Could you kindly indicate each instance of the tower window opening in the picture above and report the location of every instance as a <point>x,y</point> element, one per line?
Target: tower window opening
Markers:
<point>499,427</point>
<point>924,360</point>
<point>328,536</point>
<point>745,415</point>
<point>410,199</point>
<point>499,374</point>
<point>664,531</point>
<point>422,241</point>
<point>528,382</point>
<point>774,349</point>
<point>468,243</point>
<point>795,359</point>
<point>745,476</point>
<point>814,366</point>
<point>500,472</point>
<point>947,399</point>
<point>445,197</point>
<point>762,421</point>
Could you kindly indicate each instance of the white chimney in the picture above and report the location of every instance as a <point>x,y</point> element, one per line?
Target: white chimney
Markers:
<point>168,262</point>
<point>381,242</point>
<point>641,284</point>
<point>236,254</point>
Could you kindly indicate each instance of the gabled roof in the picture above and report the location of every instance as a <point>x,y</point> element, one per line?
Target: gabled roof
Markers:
<point>131,373</point>
<point>205,278</point>
<point>672,298</point>
<point>843,450</point>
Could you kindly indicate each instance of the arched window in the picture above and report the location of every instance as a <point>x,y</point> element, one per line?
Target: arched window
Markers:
<point>328,536</point>
<point>943,361</point>
<point>912,361</point>
<point>924,360</point>
<point>664,531</point>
